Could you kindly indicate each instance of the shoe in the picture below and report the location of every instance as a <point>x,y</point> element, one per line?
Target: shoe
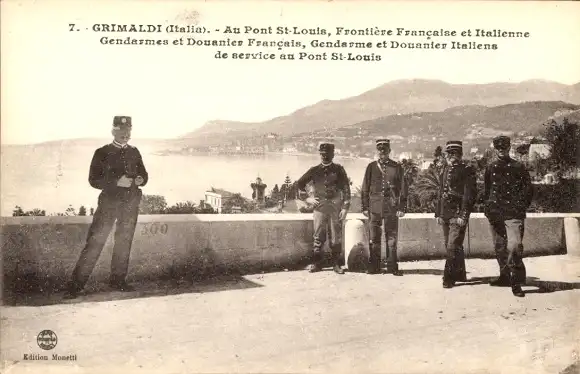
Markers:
<point>314,268</point>
<point>122,286</point>
<point>337,269</point>
<point>70,294</point>
<point>500,282</point>
<point>395,272</point>
<point>517,291</point>
<point>372,271</point>
<point>448,284</point>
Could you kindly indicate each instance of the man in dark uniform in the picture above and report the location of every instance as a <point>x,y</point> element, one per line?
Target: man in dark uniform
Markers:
<point>384,199</point>
<point>455,201</point>
<point>331,203</point>
<point>117,170</point>
<point>508,193</point>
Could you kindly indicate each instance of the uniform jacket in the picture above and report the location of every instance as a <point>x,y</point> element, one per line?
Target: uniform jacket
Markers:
<point>384,189</point>
<point>457,191</point>
<point>110,162</point>
<point>328,182</point>
<point>508,190</point>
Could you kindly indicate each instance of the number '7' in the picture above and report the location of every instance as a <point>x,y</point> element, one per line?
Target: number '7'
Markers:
<point>72,26</point>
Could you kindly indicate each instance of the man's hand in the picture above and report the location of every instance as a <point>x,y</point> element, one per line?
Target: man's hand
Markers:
<point>124,182</point>
<point>400,214</point>
<point>439,220</point>
<point>139,180</point>
<point>365,213</point>
<point>342,214</point>
<point>461,221</point>
<point>313,201</point>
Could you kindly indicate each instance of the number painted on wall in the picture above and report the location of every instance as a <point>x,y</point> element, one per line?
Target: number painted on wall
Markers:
<point>154,229</point>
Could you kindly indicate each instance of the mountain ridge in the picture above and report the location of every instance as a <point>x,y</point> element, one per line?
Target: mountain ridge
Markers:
<point>394,97</point>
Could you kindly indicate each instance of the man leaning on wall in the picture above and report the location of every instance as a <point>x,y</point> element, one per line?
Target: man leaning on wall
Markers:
<point>117,170</point>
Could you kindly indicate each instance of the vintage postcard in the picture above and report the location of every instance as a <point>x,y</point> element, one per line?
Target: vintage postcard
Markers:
<point>290,186</point>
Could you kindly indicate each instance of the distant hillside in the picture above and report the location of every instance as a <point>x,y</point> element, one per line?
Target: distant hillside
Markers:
<point>469,122</point>
<point>401,96</point>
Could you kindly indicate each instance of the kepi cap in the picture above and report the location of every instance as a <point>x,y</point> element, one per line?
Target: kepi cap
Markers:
<point>382,142</point>
<point>454,145</point>
<point>501,142</point>
<point>122,122</point>
<point>326,147</point>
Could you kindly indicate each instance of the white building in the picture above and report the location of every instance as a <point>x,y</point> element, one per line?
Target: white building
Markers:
<point>214,200</point>
<point>539,150</point>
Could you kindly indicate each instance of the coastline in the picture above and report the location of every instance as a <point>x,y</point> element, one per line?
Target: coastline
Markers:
<point>276,153</point>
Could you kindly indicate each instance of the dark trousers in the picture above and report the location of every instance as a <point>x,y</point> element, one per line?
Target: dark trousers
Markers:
<point>507,239</point>
<point>454,235</point>
<point>390,224</point>
<point>327,226</point>
<point>124,209</point>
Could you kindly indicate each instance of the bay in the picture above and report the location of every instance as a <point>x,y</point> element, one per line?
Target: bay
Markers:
<point>52,176</point>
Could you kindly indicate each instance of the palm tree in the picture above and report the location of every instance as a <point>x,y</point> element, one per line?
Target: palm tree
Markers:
<point>425,189</point>
<point>410,169</point>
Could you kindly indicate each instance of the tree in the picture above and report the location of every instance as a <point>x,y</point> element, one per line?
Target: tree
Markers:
<point>425,190</point>
<point>70,211</point>
<point>187,207</point>
<point>18,211</point>
<point>152,204</point>
<point>563,141</point>
<point>410,170</point>
<point>82,211</point>
<point>237,200</point>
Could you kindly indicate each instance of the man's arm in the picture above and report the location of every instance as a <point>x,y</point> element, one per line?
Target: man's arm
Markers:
<point>439,178</point>
<point>528,187</point>
<point>469,193</point>
<point>404,190</point>
<point>345,187</point>
<point>141,170</point>
<point>487,183</point>
<point>304,180</point>
<point>365,189</point>
<point>98,177</point>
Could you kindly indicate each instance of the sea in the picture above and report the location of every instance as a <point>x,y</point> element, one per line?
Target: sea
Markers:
<point>53,176</point>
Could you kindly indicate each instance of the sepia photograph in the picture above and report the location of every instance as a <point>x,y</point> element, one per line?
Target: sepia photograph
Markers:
<point>340,186</point>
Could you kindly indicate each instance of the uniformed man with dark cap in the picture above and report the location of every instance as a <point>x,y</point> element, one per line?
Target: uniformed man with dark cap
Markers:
<point>508,193</point>
<point>455,201</point>
<point>117,170</point>
<point>384,201</point>
<point>331,201</point>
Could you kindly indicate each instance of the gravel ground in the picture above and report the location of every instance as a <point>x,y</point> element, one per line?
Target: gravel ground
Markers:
<point>301,322</point>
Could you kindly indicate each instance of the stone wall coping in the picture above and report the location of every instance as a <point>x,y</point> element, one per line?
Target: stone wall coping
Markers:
<point>56,220</point>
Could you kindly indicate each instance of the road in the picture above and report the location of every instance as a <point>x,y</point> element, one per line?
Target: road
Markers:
<point>315,323</point>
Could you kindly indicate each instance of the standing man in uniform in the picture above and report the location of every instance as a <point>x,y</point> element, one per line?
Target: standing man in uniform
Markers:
<point>508,194</point>
<point>331,203</point>
<point>117,170</point>
<point>384,199</point>
<point>456,198</point>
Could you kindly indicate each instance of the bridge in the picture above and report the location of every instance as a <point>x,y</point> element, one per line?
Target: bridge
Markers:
<point>223,293</point>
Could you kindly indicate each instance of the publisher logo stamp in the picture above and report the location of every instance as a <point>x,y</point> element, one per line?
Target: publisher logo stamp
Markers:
<point>46,340</point>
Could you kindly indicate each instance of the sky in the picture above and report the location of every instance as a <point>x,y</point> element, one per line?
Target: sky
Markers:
<point>58,84</point>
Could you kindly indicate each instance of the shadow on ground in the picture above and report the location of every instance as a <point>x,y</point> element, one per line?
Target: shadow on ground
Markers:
<point>99,292</point>
<point>572,369</point>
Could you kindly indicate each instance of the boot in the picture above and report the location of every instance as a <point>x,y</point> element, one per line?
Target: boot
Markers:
<point>394,269</point>
<point>314,268</point>
<point>121,286</point>
<point>501,281</point>
<point>71,292</point>
<point>448,284</point>
<point>337,269</point>
<point>517,291</point>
